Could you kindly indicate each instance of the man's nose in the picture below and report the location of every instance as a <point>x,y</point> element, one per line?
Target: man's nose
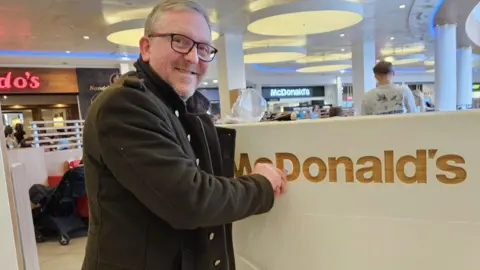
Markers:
<point>192,56</point>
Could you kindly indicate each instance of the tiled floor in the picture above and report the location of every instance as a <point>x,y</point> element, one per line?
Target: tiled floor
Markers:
<point>53,256</point>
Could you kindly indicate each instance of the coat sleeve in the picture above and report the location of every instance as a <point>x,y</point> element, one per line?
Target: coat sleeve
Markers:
<point>141,150</point>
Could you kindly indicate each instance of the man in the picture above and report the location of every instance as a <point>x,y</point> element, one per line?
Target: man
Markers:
<point>387,98</point>
<point>152,159</point>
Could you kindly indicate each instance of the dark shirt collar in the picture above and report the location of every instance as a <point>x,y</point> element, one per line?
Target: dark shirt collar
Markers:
<point>197,103</point>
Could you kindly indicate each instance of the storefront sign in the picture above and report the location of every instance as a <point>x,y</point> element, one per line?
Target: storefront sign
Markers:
<point>352,184</point>
<point>284,92</point>
<point>292,92</point>
<point>21,82</point>
<point>91,81</point>
<point>37,81</point>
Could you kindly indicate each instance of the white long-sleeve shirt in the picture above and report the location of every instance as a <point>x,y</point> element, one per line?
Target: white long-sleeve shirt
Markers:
<point>389,99</point>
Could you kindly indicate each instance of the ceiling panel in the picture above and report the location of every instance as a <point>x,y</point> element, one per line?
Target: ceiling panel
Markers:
<point>60,25</point>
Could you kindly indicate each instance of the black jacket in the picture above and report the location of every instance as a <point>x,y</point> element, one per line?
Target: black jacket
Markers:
<point>154,175</point>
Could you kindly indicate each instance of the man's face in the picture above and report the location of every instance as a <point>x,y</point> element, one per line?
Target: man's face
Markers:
<point>182,72</point>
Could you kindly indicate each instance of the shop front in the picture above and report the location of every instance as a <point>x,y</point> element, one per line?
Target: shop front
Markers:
<point>49,94</point>
<point>38,94</point>
<point>297,98</point>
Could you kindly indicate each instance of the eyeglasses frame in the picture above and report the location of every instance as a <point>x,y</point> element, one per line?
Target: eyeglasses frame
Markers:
<point>195,44</point>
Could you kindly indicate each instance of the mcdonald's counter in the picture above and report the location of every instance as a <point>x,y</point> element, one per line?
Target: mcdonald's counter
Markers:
<point>383,192</point>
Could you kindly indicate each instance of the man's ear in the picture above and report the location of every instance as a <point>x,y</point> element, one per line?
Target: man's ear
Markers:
<point>145,48</point>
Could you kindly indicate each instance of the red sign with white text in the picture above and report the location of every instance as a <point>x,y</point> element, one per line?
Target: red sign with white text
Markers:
<point>28,81</point>
<point>37,81</point>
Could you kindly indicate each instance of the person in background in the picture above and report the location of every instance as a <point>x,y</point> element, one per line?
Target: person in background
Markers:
<point>315,112</point>
<point>161,193</point>
<point>20,135</point>
<point>335,111</point>
<point>387,98</point>
<point>64,141</point>
<point>307,115</point>
<point>10,138</point>
<point>19,132</point>
<point>419,100</point>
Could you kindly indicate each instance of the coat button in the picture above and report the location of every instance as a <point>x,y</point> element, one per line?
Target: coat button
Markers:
<point>217,263</point>
<point>188,137</point>
<point>198,161</point>
<point>177,113</point>
<point>211,236</point>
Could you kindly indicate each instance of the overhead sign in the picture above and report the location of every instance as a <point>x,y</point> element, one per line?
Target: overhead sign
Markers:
<point>37,81</point>
<point>285,92</point>
<point>292,92</point>
<point>377,202</point>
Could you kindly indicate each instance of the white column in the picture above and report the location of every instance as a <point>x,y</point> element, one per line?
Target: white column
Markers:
<point>126,67</point>
<point>339,88</point>
<point>258,88</point>
<point>464,77</point>
<point>363,61</point>
<point>231,68</point>
<point>331,94</point>
<point>445,65</point>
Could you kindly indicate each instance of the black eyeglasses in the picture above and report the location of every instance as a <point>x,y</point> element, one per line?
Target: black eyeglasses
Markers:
<point>184,45</point>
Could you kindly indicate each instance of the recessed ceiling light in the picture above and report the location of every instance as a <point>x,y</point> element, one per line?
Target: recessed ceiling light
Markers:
<point>402,6</point>
<point>342,50</point>
<point>86,37</point>
<point>67,51</point>
<point>215,81</point>
<point>342,35</point>
<point>4,97</point>
<point>392,38</point>
<point>205,83</point>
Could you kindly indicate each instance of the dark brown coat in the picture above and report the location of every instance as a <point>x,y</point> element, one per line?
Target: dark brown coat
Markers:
<point>153,168</point>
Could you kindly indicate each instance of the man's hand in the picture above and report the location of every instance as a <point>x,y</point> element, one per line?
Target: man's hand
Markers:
<point>277,177</point>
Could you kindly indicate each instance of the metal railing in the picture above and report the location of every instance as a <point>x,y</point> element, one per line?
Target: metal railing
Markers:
<point>57,135</point>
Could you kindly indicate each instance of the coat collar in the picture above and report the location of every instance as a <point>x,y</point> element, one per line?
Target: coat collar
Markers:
<point>198,103</point>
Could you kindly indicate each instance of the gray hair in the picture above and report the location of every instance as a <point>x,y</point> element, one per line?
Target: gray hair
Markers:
<point>172,5</point>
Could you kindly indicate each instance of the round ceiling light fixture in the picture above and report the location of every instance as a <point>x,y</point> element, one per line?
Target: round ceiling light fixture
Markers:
<point>406,59</point>
<point>128,33</point>
<point>323,69</point>
<point>273,55</point>
<point>325,58</point>
<point>305,17</point>
<point>429,62</point>
<point>414,48</point>
<point>275,42</point>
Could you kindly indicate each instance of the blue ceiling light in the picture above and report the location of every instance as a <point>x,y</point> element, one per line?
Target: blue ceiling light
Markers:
<point>68,54</point>
<point>274,69</point>
<point>436,8</point>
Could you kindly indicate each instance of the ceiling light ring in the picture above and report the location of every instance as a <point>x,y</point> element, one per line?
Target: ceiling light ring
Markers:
<point>117,32</point>
<point>328,63</point>
<point>323,68</point>
<point>290,53</point>
<point>308,6</point>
